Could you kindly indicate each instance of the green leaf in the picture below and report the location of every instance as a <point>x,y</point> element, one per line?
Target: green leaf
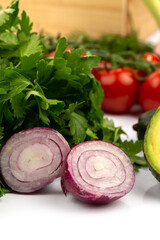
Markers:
<point>91,134</point>
<point>61,46</point>
<point>44,116</point>
<point>132,147</point>
<point>110,132</point>
<point>139,161</point>
<point>96,96</point>
<point>87,63</point>
<point>62,71</point>
<point>133,150</point>
<point>74,59</point>
<point>29,62</point>
<point>18,105</point>
<point>42,97</point>
<point>108,123</point>
<point>1,135</point>
<point>3,187</point>
<point>1,113</point>
<point>7,113</point>
<point>25,24</point>
<point>8,41</point>
<point>44,71</point>
<point>13,83</point>
<point>117,134</point>
<point>1,132</point>
<point>81,65</point>
<point>8,16</point>
<point>2,91</point>
<point>30,47</point>
<point>78,125</point>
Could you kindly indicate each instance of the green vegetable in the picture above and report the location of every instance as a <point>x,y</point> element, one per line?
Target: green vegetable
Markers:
<point>143,122</point>
<point>119,50</point>
<point>112,43</point>
<point>152,144</point>
<point>4,188</point>
<point>133,149</point>
<point>60,93</point>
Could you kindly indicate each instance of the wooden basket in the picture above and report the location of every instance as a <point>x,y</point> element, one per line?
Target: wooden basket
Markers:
<point>90,16</point>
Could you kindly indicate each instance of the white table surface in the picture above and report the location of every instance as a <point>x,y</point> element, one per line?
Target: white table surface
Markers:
<point>48,214</point>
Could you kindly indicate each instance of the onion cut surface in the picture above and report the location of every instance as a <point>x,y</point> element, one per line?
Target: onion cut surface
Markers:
<point>97,172</point>
<point>32,158</point>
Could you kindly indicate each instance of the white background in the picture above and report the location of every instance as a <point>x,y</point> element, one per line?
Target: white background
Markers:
<point>48,214</point>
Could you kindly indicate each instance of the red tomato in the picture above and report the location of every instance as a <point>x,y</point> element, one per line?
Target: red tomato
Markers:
<point>94,70</point>
<point>120,89</point>
<point>100,65</point>
<point>149,92</point>
<point>50,54</point>
<point>83,54</point>
<point>151,57</point>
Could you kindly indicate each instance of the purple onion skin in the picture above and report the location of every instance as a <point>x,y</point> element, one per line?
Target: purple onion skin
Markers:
<point>36,184</point>
<point>68,184</point>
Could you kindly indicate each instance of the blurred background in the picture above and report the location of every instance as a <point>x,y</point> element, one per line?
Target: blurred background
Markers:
<point>92,17</point>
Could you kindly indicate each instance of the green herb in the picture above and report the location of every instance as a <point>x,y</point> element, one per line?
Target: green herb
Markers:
<point>113,43</point>
<point>4,188</point>
<point>120,51</point>
<point>133,150</point>
<point>35,91</point>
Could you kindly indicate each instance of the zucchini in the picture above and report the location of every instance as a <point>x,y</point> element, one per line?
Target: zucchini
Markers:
<point>142,124</point>
<point>152,144</point>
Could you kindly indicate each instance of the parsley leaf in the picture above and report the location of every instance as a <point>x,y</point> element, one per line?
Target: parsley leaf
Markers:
<point>32,46</point>
<point>3,188</point>
<point>110,132</point>
<point>61,46</point>
<point>18,103</point>
<point>13,83</point>
<point>132,149</point>
<point>25,25</point>
<point>9,15</point>
<point>78,125</point>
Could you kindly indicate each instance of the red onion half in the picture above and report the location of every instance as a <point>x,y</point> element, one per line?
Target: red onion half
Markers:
<point>33,158</point>
<point>97,172</point>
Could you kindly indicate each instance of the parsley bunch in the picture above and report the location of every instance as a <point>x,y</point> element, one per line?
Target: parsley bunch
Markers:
<point>58,92</point>
<point>120,51</point>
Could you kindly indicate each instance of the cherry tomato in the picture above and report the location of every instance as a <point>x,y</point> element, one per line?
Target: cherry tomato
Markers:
<point>94,70</point>
<point>120,89</point>
<point>151,57</point>
<point>149,92</point>
<point>101,65</point>
<point>83,54</point>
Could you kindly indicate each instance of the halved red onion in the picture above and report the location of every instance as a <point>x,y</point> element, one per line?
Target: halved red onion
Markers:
<point>97,172</point>
<point>32,158</point>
